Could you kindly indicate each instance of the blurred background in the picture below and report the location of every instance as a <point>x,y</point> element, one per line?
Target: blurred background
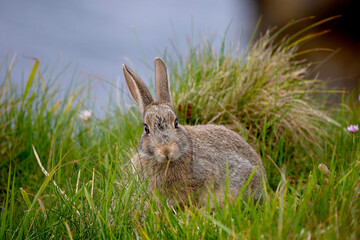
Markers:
<point>96,37</point>
<point>341,69</point>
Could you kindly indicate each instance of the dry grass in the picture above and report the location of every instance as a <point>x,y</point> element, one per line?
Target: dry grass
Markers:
<point>264,89</point>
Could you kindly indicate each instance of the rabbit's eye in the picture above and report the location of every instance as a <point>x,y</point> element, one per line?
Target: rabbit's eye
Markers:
<point>146,128</point>
<point>176,124</point>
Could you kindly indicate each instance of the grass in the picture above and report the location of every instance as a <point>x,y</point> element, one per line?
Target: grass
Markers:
<point>90,192</point>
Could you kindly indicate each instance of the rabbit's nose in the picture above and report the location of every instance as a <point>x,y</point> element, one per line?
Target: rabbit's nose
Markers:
<point>166,151</point>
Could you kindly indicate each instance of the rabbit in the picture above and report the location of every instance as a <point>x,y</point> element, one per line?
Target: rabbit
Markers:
<point>181,161</point>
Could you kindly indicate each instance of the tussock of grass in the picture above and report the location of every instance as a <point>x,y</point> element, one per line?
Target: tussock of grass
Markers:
<point>262,90</point>
<point>90,192</point>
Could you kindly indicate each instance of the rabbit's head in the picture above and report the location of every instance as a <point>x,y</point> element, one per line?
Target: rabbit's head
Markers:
<point>163,139</point>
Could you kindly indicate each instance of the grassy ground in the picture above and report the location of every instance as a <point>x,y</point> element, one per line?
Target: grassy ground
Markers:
<point>87,189</point>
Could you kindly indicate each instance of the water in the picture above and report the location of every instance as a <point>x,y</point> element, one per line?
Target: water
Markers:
<point>96,37</point>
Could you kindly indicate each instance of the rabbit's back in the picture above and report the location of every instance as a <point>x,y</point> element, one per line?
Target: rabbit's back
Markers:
<point>214,148</point>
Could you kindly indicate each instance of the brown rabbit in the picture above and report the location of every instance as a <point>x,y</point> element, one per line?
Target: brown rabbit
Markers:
<point>188,160</point>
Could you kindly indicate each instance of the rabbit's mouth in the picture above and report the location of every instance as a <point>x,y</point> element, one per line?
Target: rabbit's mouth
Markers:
<point>165,153</point>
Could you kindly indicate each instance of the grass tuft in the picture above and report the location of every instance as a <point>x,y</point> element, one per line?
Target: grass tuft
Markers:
<point>265,93</point>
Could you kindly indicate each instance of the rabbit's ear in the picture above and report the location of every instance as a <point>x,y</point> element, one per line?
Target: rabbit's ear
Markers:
<point>138,89</point>
<point>162,87</point>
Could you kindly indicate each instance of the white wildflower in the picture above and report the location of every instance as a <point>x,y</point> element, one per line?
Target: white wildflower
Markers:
<point>85,115</point>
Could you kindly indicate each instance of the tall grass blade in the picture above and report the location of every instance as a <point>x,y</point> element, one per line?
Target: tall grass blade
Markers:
<point>219,224</point>
<point>30,80</point>
<point>12,201</point>
<point>25,197</point>
<point>4,212</point>
<point>68,230</point>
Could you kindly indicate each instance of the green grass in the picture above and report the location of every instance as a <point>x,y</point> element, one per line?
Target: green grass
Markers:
<point>90,192</point>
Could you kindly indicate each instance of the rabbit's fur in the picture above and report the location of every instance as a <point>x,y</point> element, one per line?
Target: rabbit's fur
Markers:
<point>188,160</point>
